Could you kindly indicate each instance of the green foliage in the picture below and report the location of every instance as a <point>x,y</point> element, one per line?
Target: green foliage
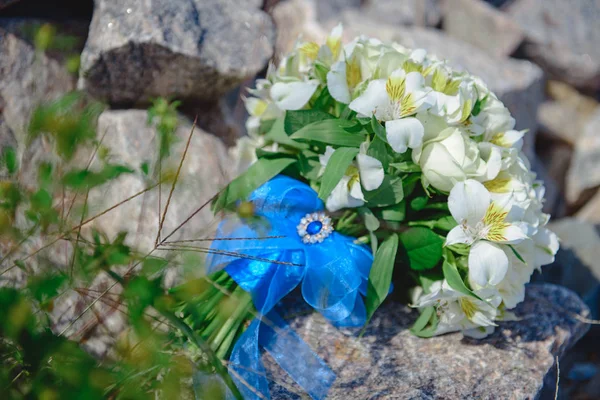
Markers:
<point>380,276</point>
<point>68,122</point>
<point>334,132</point>
<point>336,168</point>
<point>423,248</point>
<point>163,115</point>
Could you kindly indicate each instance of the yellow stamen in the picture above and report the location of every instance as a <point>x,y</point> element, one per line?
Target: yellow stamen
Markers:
<point>395,88</point>
<point>335,45</point>
<point>494,221</point>
<point>499,139</point>
<point>408,106</point>
<point>468,307</point>
<point>310,50</point>
<point>498,185</point>
<point>353,75</point>
<point>410,66</point>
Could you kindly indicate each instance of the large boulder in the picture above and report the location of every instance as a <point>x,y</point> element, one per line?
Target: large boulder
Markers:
<point>562,37</point>
<point>192,49</point>
<point>584,173</point>
<point>28,77</point>
<point>519,84</point>
<point>130,141</point>
<point>515,362</point>
<point>406,12</point>
<point>482,25</point>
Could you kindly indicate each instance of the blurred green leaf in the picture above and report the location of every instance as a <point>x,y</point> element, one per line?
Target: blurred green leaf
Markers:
<point>85,179</point>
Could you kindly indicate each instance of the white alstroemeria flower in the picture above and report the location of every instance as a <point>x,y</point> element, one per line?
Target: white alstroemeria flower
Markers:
<point>343,78</point>
<point>293,95</point>
<point>482,225</point>
<point>366,172</point>
<point>460,312</point>
<point>394,101</point>
<point>545,246</point>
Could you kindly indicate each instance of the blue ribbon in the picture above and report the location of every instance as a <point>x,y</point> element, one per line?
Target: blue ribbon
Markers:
<point>333,275</point>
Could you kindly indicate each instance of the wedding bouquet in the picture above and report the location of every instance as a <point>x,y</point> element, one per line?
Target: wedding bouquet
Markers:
<point>366,162</point>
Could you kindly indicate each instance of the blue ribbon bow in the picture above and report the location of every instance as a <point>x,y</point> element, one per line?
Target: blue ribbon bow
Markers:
<point>333,275</point>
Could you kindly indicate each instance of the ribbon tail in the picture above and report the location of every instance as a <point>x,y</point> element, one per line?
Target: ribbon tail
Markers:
<point>295,357</point>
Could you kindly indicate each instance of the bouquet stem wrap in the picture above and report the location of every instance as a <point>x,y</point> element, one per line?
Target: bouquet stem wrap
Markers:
<point>333,276</point>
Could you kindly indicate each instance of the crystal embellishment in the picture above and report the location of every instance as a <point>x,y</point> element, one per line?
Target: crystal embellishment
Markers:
<point>314,227</point>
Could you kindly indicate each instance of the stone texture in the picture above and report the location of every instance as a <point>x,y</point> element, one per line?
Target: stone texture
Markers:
<point>585,167</point>
<point>482,25</point>
<point>388,362</point>
<point>405,12</point>
<point>331,9</point>
<point>27,79</point>
<point>576,266</point>
<point>564,116</point>
<point>292,19</point>
<point>519,84</point>
<point>204,172</point>
<point>563,37</point>
<point>591,210</point>
<point>188,49</point>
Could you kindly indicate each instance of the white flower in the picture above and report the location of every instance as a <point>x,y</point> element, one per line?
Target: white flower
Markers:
<point>293,95</point>
<point>394,101</point>
<point>482,225</point>
<point>367,172</point>
<point>460,312</point>
<point>453,157</point>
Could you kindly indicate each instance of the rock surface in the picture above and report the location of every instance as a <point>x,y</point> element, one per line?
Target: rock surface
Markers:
<point>27,78</point>
<point>563,37</point>
<point>591,210</point>
<point>585,167</point>
<point>519,84</point>
<point>204,172</point>
<point>188,49</point>
<point>564,116</point>
<point>576,266</point>
<point>389,363</point>
<point>482,25</point>
<point>406,12</point>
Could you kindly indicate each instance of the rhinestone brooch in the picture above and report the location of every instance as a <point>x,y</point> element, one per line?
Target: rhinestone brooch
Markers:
<point>314,227</point>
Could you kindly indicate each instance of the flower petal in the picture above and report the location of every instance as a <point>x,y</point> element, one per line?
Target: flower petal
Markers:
<point>512,234</point>
<point>338,84</point>
<point>340,197</point>
<point>371,171</point>
<point>458,235</point>
<point>487,264</point>
<point>293,95</point>
<point>373,97</point>
<point>404,133</point>
<point>468,202</point>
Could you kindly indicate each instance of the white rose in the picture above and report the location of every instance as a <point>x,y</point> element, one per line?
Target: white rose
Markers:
<point>453,157</point>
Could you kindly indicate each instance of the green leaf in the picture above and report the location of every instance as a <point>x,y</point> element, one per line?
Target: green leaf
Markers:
<point>445,223</point>
<point>370,220</point>
<point>241,187</point>
<point>85,179</point>
<point>336,168</point>
<point>390,192</point>
<point>406,166</point>
<point>309,166</point>
<point>378,129</point>
<point>379,150</point>
<point>41,200</point>
<point>428,322</point>
<point>296,120</point>
<point>419,203</point>
<point>277,134</point>
<point>9,159</point>
<point>380,276</point>
<point>395,213</point>
<point>454,279</point>
<point>330,131</point>
<point>323,101</point>
<point>152,265</point>
<point>423,247</point>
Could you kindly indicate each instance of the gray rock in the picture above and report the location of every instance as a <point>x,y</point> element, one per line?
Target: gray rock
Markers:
<point>576,266</point>
<point>292,19</point>
<point>585,167</point>
<point>406,12</point>
<point>331,9</point>
<point>388,362</point>
<point>187,49</point>
<point>519,84</point>
<point>591,210</point>
<point>482,25</point>
<point>564,116</point>
<point>27,79</point>
<point>563,37</point>
<point>130,141</point>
